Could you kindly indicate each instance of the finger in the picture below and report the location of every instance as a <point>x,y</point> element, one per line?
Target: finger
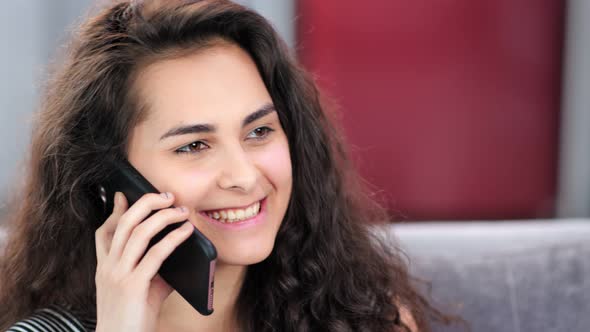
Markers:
<point>160,289</point>
<point>135,215</point>
<point>153,259</point>
<point>104,233</point>
<point>144,232</point>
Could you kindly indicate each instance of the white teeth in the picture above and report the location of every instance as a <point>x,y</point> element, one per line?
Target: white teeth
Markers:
<point>230,216</point>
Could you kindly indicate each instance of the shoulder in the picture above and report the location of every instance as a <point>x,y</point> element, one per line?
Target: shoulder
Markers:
<point>52,319</point>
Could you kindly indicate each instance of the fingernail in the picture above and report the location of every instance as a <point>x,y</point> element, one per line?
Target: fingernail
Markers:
<point>165,195</point>
<point>118,198</point>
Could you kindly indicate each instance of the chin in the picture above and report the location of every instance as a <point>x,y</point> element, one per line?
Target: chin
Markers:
<point>241,255</point>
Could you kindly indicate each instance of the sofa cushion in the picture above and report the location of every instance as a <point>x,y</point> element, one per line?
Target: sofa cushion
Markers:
<point>504,276</point>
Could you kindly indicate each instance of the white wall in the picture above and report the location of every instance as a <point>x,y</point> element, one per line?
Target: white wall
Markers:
<point>574,163</point>
<point>30,31</point>
<point>281,14</point>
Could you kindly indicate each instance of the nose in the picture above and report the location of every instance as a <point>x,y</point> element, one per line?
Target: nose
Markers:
<point>237,171</point>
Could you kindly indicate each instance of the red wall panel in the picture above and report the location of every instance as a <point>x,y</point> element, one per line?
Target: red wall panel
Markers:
<point>451,106</point>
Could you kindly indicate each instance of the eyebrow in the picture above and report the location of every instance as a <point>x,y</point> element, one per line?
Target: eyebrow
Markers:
<point>208,128</point>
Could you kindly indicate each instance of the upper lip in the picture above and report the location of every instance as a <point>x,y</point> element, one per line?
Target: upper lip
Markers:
<point>234,208</point>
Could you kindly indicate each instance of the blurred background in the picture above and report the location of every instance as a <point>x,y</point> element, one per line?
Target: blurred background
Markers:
<point>453,110</point>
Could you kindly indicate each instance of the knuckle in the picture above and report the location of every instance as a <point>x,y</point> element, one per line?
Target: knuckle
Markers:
<point>110,222</point>
<point>141,233</point>
<point>125,221</point>
<point>161,250</point>
<point>169,214</point>
<point>165,217</point>
<point>152,201</point>
<point>154,198</point>
<point>146,230</point>
<point>104,226</point>
<point>99,233</point>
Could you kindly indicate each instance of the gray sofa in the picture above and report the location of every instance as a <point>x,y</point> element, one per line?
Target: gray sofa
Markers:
<point>527,276</point>
<point>531,276</point>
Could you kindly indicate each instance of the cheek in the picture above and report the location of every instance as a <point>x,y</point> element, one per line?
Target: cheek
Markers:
<point>189,185</point>
<point>275,161</point>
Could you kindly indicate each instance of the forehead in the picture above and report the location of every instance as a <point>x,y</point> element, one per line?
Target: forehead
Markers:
<point>218,83</point>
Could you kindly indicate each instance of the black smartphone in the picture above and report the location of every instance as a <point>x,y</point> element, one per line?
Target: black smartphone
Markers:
<point>190,268</point>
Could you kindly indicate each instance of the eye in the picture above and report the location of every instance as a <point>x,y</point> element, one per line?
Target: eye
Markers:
<point>260,132</point>
<point>194,147</point>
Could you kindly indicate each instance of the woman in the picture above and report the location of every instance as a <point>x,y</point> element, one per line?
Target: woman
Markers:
<point>204,99</point>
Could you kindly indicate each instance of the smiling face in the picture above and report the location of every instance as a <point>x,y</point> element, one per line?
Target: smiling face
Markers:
<point>213,138</point>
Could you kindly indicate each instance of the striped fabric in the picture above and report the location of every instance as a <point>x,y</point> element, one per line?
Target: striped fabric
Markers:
<point>53,319</point>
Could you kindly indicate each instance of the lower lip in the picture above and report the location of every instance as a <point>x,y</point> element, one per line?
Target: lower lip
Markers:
<point>257,219</point>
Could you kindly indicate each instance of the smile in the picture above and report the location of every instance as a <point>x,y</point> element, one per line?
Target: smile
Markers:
<point>229,216</point>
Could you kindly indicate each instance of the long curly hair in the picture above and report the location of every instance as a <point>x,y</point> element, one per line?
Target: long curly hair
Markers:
<point>327,271</point>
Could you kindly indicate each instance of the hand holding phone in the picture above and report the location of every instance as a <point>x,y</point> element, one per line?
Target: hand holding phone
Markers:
<point>189,262</point>
<point>129,292</point>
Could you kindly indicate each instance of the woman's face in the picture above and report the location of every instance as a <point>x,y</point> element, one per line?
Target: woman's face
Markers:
<point>214,140</point>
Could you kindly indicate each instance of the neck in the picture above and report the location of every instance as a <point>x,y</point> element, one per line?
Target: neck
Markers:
<point>177,315</point>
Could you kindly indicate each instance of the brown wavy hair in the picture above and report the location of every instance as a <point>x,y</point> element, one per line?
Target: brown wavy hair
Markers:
<point>326,272</point>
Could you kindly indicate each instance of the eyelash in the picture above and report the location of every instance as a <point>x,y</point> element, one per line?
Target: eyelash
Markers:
<point>267,131</point>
